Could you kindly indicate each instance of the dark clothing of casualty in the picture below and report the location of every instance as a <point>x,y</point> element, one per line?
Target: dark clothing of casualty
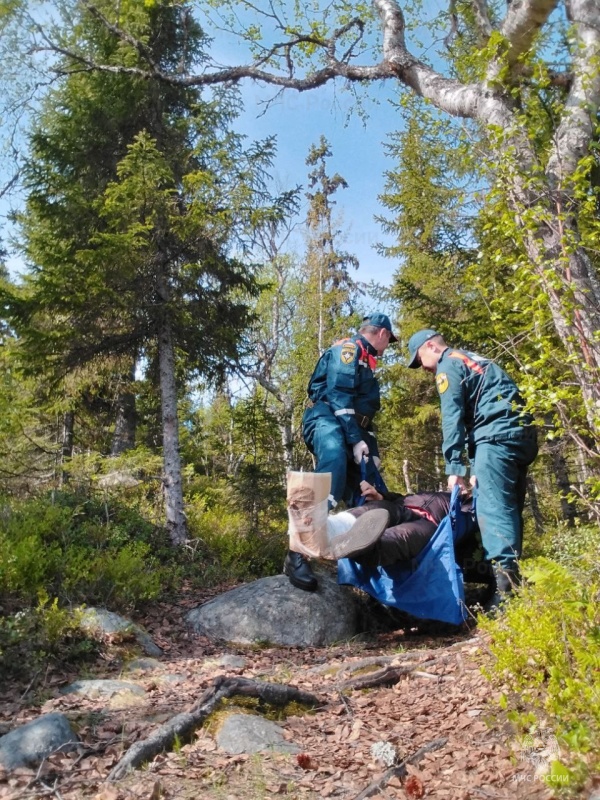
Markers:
<point>344,394</point>
<point>482,412</point>
<point>414,518</point>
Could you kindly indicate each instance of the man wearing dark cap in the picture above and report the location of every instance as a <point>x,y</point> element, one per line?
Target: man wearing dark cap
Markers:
<point>482,411</point>
<point>338,426</point>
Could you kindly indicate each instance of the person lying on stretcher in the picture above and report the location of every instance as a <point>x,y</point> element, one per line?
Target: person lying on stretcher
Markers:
<point>387,529</point>
<point>413,519</point>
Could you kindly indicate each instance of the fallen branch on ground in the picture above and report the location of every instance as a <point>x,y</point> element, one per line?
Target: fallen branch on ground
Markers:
<point>388,676</point>
<point>400,658</point>
<point>400,770</point>
<point>181,726</point>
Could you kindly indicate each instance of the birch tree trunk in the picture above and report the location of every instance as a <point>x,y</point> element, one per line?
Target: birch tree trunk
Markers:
<point>172,479</point>
<point>67,444</point>
<point>554,241</point>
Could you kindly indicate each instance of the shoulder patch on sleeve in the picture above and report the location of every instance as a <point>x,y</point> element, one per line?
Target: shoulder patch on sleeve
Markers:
<point>441,382</point>
<point>348,353</point>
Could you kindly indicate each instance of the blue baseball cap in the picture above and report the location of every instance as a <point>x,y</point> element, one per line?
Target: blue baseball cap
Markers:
<point>380,321</point>
<point>416,341</point>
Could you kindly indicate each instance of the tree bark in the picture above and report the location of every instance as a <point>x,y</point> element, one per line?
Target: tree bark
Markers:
<point>126,421</point>
<point>67,444</point>
<point>563,482</point>
<point>172,479</point>
<point>538,519</point>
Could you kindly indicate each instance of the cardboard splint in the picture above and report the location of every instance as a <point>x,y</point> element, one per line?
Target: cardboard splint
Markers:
<point>307,496</point>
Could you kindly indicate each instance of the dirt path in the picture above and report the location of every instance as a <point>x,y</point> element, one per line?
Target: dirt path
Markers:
<point>445,697</point>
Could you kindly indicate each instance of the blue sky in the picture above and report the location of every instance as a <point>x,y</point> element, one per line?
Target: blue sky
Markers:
<point>299,120</point>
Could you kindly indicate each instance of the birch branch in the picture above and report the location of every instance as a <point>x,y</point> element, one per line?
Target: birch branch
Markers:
<point>522,24</point>
<point>482,20</point>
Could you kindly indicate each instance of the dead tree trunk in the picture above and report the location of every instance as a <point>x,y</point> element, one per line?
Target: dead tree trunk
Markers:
<point>67,444</point>
<point>126,421</point>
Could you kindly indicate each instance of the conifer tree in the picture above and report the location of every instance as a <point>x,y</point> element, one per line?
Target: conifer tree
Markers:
<point>139,192</point>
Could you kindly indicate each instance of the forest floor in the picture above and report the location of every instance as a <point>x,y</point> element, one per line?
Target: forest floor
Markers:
<point>442,695</point>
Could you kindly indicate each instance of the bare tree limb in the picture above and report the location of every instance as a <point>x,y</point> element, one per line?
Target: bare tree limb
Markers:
<point>482,20</point>
<point>522,24</point>
<point>576,129</point>
<point>182,725</point>
<point>388,676</point>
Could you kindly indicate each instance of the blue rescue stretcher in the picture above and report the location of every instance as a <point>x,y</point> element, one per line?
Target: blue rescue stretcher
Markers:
<point>430,586</point>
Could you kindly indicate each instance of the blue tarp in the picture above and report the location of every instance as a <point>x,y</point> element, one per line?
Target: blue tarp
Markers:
<point>430,586</point>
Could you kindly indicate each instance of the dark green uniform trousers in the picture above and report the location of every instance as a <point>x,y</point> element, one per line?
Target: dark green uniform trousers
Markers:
<point>501,470</point>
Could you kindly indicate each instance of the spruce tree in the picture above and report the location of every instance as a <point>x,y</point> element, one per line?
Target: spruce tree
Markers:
<point>139,194</point>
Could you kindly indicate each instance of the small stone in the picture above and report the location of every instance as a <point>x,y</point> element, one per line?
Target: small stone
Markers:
<point>103,688</point>
<point>108,622</point>
<point>235,662</point>
<point>142,665</point>
<point>118,478</point>
<point>249,733</point>
<point>30,744</point>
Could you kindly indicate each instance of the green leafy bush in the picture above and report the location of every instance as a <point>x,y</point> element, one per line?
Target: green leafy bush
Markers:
<point>32,637</point>
<point>229,551</point>
<point>546,647</point>
<point>120,577</point>
<point>80,550</point>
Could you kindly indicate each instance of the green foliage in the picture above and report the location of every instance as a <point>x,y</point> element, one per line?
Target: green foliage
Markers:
<point>429,220</point>
<point>63,545</point>
<point>31,638</point>
<point>546,647</point>
<point>226,546</point>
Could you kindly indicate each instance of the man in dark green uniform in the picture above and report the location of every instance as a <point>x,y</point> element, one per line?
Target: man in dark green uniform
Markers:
<point>338,426</point>
<point>482,411</point>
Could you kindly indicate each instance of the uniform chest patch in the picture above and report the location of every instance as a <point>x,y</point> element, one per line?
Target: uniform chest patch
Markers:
<point>348,353</point>
<point>441,381</point>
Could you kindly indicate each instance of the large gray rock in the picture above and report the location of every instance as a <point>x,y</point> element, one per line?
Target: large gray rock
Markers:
<point>272,610</point>
<point>30,744</point>
<point>106,622</point>
<point>118,478</point>
<point>249,733</point>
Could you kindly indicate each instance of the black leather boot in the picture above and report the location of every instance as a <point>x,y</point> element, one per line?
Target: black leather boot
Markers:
<point>298,570</point>
<point>507,579</point>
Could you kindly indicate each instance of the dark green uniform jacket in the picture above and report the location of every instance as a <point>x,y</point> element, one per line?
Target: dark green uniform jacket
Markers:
<point>344,379</point>
<point>479,403</point>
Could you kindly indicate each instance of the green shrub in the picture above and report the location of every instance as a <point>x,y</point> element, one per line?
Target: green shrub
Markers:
<point>228,551</point>
<point>572,546</point>
<point>32,637</point>
<point>119,577</point>
<point>80,550</point>
<point>546,647</point>
<point>26,564</point>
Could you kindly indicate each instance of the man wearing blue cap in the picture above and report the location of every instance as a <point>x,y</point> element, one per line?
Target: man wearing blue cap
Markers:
<point>482,411</point>
<point>338,426</point>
